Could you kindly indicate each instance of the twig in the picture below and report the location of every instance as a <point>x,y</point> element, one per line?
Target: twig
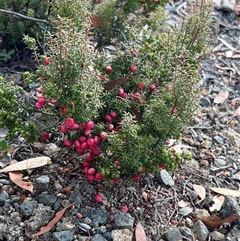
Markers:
<point>18,15</point>
<point>220,168</point>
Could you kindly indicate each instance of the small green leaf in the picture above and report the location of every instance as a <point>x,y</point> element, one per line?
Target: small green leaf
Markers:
<point>6,157</point>
<point>3,144</point>
<point>12,51</point>
<point>8,148</point>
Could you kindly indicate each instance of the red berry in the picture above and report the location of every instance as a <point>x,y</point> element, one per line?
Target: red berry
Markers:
<point>108,69</point>
<point>46,61</point>
<point>113,114</point>
<point>110,127</point>
<point>89,158</point>
<point>121,91</point>
<point>80,150</point>
<point>82,138</point>
<point>115,180</point>
<point>102,77</point>
<point>173,221</point>
<point>38,105</point>
<point>90,178</point>
<point>150,197</point>
<point>108,118</point>
<point>140,86</point>
<point>91,171</point>
<point>149,206</point>
<point>74,127</point>
<point>69,122</point>
<point>84,145</point>
<point>103,135</point>
<point>63,110</point>
<point>53,101</point>
<point>133,69</point>
<point>90,141</point>
<point>83,125</point>
<point>152,87</point>
<point>89,125</point>
<point>39,90</point>
<point>77,144</point>
<point>41,101</point>
<point>96,152</point>
<point>96,140</point>
<point>87,132</point>
<point>67,143</point>
<point>124,209</point>
<point>63,129</point>
<point>45,136</point>
<point>135,177</point>
<point>98,176</point>
<point>134,52</point>
<point>98,198</point>
<point>86,164</point>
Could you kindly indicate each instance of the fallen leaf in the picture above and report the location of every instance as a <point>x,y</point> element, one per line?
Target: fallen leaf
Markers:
<point>95,21</point>
<point>233,102</point>
<point>113,83</point>
<point>183,204</point>
<point>200,190</point>
<point>225,68</point>
<point>217,203</point>
<point>27,164</point>
<point>16,177</point>
<point>54,221</point>
<point>145,196</point>
<point>140,233</point>
<point>237,112</point>
<point>221,97</point>
<point>219,223</point>
<point>226,191</point>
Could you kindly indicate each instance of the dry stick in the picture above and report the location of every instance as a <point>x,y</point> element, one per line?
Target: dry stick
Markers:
<point>18,15</point>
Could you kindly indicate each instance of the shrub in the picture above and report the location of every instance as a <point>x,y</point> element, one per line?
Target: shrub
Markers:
<point>121,108</point>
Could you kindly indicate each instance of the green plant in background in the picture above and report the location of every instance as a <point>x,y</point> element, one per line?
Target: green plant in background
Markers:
<point>6,55</point>
<point>13,28</point>
<point>5,151</point>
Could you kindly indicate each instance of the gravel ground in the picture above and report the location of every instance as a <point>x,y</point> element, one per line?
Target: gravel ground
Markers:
<point>169,206</point>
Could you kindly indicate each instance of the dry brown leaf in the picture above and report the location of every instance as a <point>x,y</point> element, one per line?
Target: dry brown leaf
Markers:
<point>113,83</point>
<point>218,202</point>
<point>145,196</point>
<point>140,233</point>
<point>226,191</point>
<point>16,177</point>
<point>53,222</point>
<point>217,223</point>
<point>27,164</point>
<point>233,102</point>
<point>225,68</point>
<point>200,190</point>
<point>237,112</point>
<point>183,204</point>
<point>221,97</point>
<point>95,21</point>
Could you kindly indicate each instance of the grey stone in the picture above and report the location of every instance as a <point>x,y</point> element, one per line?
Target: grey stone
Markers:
<point>229,207</point>
<point>63,236</point>
<point>218,139</point>
<point>99,216</point>
<point>7,208</point>
<point>27,207</point>
<point>223,5</point>
<point>123,220</point>
<point>185,211</point>
<point>217,236</point>
<point>41,217</point>
<point>98,237</point>
<point>42,183</point>
<point>51,150</point>
<point>4,182</point>
<point>186,232</point>
<point>173,235</point>
<point>76,198</point>
<point>3,197</point>
<point>201,231</point>
<point>107,236</point>
<point>165,178</point>
<point>46,199</point>
<point>205,102</point>
<point>236,176</point>
<point>122,235</point>
<point>220,162</point>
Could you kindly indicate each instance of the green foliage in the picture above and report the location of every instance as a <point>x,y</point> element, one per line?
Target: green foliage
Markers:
<point>6,55</point>
<point>5,151</point>
<point>12,28</point>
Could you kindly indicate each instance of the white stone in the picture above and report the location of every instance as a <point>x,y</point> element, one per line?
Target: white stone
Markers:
<point>121,235</point>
